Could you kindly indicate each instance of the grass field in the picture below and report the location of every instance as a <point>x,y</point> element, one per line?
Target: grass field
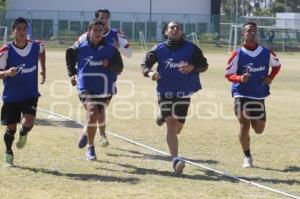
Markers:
<point>51,165</point>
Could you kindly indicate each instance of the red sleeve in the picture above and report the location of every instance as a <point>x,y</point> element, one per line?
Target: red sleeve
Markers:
<point>233,54</point>
<point>274,72</point>
<point>233,78</point>
<point>3,48</point>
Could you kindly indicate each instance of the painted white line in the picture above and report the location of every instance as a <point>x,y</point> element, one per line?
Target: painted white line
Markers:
<point>187,161</point>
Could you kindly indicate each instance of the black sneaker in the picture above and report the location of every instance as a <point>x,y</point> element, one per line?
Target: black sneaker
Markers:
<point>160,120</point>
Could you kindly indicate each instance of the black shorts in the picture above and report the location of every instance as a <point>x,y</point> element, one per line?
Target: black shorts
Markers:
<point>101,102</point>
<point>253,109</point>
<point>11,111</point>
<point>176,107</point>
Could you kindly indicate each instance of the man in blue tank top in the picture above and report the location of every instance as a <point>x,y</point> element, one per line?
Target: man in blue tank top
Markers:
<point>19,71</point>
<point>248,70</point>
<point>98,65</point>
<point>117,39</point>
<point>177,76</point>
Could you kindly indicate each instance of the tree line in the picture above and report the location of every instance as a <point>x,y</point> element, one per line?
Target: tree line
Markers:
<point>258,7</point>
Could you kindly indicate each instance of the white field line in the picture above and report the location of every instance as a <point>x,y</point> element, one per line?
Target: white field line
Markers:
<point>187,161</point>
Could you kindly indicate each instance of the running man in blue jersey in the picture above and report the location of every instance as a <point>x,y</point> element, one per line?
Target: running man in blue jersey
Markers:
<point>116,38</point>
<point>19,71</point>
<point>248,70</point>
<point>177,76</point>
<point>98,65</point>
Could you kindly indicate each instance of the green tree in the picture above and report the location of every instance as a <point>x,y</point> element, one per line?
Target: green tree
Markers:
<point>227,7</point>
<point>2,11</point>
<point>285,6</point>
<point>262,12</point>
<point>245,8</point>
<point>2,4</point>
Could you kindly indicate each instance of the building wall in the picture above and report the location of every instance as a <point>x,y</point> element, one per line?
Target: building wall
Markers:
<point>288,20</point>
<point>141,6</point>
<point>132,16</point>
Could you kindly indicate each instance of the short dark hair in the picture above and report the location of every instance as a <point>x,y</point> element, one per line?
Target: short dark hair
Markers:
<point>250,23</point>
<point>94,22</point>
<point>165,27</point>
<point>97,13</point>
<point>19,21</point>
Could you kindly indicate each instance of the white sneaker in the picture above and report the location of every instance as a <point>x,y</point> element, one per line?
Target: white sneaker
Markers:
<point>248,162</point>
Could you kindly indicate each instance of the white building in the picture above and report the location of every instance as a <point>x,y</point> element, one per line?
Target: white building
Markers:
<point>291,20</point>
<point>132,16</point>
<point>140,6</point>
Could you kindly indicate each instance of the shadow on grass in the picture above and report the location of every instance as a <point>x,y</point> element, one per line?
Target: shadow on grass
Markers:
<point>83,177</point>
<point>135,170</point>
<point>140,155</point>
<point>292,169</point>
<point>146,171</point>
<point>66,123</point>
<point>208,176</point>
<point>271,180</point>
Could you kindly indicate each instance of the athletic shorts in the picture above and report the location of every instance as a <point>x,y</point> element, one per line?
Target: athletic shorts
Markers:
<point>251,108</point>
<point>100,102</point>
<point>176,107</point>
<point>11,111</point>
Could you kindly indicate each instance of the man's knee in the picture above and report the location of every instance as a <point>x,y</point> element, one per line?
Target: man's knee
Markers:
<point>10,131</point>
<point>259,130</point>
<point>93,115</point>
<point>171,120</point>
<point>258,126</point>
<point>12,128</point>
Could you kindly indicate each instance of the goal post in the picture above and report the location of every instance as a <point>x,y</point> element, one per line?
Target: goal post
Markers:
<point>193,38</point>
<point>283,36</point>
<point>143,41</point>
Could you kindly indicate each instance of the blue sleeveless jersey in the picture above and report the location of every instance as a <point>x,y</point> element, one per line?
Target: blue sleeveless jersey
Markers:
<point>173,83</point>
<point>111,36</point>
<point>25,84</point>
<point>257,67</point>
<point>92,76</point>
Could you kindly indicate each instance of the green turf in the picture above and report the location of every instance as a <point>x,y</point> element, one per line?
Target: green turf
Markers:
<point>51,165</point>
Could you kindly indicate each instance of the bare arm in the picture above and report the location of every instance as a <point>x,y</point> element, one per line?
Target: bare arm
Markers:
<point>8,73</point>
<point>43,66</point>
